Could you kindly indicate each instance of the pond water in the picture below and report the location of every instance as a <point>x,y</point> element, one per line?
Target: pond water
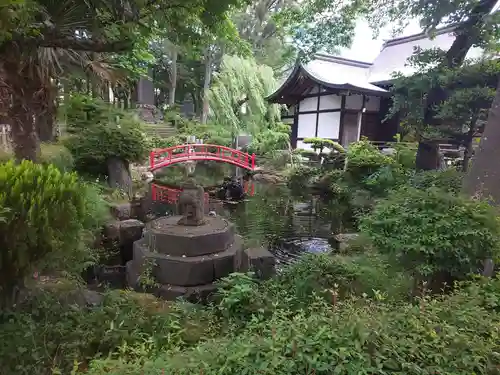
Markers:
<point>273,217</point>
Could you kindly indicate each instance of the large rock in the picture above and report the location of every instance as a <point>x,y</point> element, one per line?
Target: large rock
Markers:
<point>111,231</point>
<point>260,261</point>
<point>121,211</point>
<point>130,231</point>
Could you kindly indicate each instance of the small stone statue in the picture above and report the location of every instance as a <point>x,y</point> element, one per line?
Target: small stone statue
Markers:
<point>192,204</point>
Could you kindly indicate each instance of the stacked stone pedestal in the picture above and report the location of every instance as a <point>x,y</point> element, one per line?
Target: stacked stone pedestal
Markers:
<point>185,261</point>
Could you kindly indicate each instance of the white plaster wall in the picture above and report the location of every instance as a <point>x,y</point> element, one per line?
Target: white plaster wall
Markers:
<point>308,104</point>
<point>329,125</point>
<point>306,126</point>
<point>304,146</point>
<point>330,102</point>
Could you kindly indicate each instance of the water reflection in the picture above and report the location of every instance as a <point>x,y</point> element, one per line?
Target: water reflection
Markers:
<point>287,225</point>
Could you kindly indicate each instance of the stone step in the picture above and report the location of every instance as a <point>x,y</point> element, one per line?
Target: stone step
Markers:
<point>160,130</point>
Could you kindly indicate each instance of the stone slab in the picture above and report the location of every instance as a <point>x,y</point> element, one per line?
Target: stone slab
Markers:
<point>190,271</point>
<point>259,260</point>
<point>166,237</point>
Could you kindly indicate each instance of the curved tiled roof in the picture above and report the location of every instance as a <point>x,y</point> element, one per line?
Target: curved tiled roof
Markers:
<point>363,77</point>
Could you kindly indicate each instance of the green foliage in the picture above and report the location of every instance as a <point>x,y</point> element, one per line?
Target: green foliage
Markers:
<point>363,159</point>
<point>269,140</point>
<point>50,331</point>
<point>301,177</point>
<point>239,296</point>
<point>432,233</point>
<point>320,144</point>
<point>83,111</point>
<point>57,155</point>
<point>242,83</point>
<point>447,335</point>
<point>467,93</point>
<point>45,213</point>
<point>449,180</point>
<point>93,146</point>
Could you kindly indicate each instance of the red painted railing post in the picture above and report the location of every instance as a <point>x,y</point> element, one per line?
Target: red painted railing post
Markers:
<point>152,159</point>
<point>153,191</point>
<point>253,161</point>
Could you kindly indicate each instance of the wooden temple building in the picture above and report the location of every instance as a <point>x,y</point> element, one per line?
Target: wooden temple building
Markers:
<point>341,99</point>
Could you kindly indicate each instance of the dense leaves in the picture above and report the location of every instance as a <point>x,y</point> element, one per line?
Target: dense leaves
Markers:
<point>45,211</point>
<point>431,232</point>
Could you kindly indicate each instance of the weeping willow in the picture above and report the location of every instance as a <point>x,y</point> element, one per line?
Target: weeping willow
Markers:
<point>237,97</point>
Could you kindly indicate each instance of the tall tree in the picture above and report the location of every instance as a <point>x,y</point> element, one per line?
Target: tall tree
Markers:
<point>237,97</point>
<point>97,26</point>
<point>483,178</point>
<point>476,26</point>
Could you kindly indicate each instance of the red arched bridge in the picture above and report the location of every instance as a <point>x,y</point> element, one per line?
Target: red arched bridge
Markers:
<point>171,195</point>
<point>160,158</point>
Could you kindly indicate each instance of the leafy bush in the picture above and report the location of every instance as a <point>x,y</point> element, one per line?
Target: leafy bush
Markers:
<point>453,335</point>
<point>83,111</point>
<point>93,146</point>
<point>301,177</point>
<point>50,331</point>
<point>449,180</point>
<point>45,213</point>
<point>363,159</point>
<point>321,143</point>
<point>58,155</point>
<point>433,233</point>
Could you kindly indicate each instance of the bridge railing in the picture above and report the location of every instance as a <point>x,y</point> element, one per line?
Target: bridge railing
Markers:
<point>172,154</point>
<point>171,195</point>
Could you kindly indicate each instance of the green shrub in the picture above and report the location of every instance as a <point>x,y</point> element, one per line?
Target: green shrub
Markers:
<point>5,156</point>
<point>405,154</point>
<point>93,146</point>
<point>433,233</point>
<point>301,177</point>
<point>321,143</point>
<point>363,159</point>
<point>49,332</point>
<point>322,274</point>
<point>45,213</point>
<point>449,180</point>
<point>83,111</point>
<point>58,155</point>
<point>454,335</point>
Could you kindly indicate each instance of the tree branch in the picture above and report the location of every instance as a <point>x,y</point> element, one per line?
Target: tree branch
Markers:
<point>86,44</point>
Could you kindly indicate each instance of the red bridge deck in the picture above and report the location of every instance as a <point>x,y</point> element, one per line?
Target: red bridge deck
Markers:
<point>161,158</point>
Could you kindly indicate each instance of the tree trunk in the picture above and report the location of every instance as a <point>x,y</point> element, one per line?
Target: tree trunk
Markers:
<point>428,157</point>
<point>468,147</point>
<point>483,177</point>
<point>467,34</point>
<point>23,89</point>
<point>46,112</point>
<point>206,86</point>
<point>173,78</point>
<point>119,175</point>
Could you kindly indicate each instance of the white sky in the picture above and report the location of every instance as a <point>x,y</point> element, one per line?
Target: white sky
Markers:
<point>365,48</point>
